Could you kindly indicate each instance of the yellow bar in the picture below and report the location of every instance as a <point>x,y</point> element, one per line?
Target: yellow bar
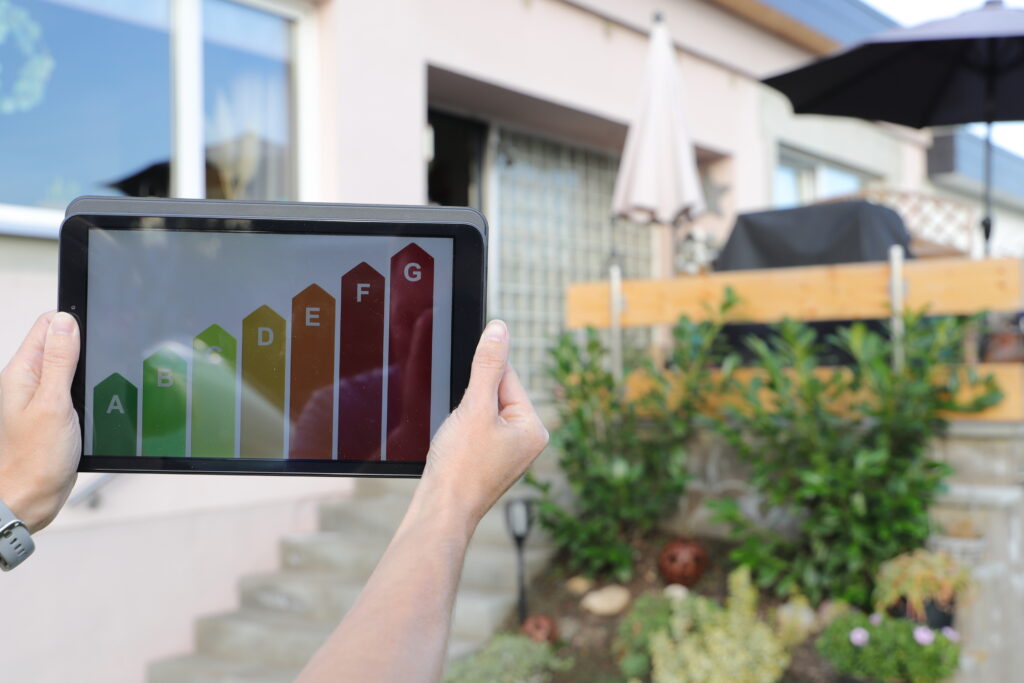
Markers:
<point>855,291</point>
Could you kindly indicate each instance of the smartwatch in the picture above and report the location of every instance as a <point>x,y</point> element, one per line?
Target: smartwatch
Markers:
<point>15,542</point>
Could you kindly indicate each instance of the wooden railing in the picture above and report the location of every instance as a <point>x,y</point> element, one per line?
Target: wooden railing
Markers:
<point>841,292</point>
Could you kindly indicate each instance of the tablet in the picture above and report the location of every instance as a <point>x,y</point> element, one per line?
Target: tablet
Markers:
<point>266,337</point>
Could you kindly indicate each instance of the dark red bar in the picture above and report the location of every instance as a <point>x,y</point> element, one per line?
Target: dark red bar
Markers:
<point>312,375</point>
<point>410,340</point>
<point>361,364</point>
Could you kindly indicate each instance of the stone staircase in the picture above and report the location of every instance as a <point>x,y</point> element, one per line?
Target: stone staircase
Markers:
<point>284,616</point>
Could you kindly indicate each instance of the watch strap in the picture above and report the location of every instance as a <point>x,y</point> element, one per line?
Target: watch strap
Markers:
<point>16,543</point>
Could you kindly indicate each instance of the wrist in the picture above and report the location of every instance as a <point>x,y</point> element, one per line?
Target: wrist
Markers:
<point>436,505</point>
<point>31,506</point>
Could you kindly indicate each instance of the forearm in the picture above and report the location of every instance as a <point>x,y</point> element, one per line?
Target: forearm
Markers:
<point>398,628</point>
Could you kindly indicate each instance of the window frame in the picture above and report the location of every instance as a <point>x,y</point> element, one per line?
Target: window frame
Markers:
<point>809,169</point>
<point>188,147</point>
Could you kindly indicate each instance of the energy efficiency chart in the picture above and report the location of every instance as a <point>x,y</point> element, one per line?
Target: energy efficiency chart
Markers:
<point>343,374</point>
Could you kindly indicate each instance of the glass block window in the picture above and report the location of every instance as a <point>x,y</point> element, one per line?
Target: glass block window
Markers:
<point>553,204</point>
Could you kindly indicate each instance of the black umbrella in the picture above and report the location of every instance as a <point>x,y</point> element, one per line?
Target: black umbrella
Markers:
<point>958,70</point>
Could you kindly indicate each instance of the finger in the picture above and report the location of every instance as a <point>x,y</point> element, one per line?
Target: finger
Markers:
<point>60,358</point>
<point>21,377</point>
<point>488,366</point>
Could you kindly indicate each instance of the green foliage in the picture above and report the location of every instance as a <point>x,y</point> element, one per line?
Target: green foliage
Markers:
<point>624,458</point>
<point>891,652</point>
<point>509,659</point>
<point>708,644</point>
<point>648,615</point>
<point>844,451</point>
<point>918,577</point>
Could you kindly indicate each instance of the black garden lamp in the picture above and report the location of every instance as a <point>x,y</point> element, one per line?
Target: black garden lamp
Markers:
<point>519,519</point>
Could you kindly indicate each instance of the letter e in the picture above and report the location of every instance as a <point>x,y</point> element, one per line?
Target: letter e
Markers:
<point>312,316</point>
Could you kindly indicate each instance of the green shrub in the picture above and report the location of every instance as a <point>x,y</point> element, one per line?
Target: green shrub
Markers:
<point>846,452</point>
<point>706,643</point>
<point>919,577</point>
<point>886,649</point>
<point>624,458</point>
<point>648,615</point>
<point>509,658</point>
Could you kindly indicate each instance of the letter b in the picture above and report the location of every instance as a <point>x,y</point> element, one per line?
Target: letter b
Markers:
<point>164,377</point>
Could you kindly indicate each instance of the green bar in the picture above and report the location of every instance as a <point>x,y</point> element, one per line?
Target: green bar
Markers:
<point>163,404</point>
<point>214,354</point>
<point>263,368</point>
<point>115,417</point>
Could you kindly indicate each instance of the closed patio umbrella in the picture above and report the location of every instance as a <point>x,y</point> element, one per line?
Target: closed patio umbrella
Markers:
<point>657,180</point>
<point>963,69</point>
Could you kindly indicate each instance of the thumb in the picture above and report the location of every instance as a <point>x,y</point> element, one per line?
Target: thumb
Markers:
<point>488,366</point>
<point>60,358</point>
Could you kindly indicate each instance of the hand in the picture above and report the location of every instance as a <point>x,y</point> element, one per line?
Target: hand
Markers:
<point>40,440</point>
<point>490,440</point>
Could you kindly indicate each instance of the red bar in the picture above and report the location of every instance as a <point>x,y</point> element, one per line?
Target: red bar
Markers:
<point>361,364</point>
<point>311,403</point>
<point>409,354</point>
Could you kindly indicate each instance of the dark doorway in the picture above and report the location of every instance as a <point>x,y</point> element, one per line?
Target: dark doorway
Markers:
<point>456,172</point>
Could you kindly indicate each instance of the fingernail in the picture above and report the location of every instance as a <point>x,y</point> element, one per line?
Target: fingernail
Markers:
<point>495,331</point>
<point>62,323</point>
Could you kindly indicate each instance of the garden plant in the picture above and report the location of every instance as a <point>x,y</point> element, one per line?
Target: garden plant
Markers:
<point>623,457</point>
<point>846,451</point>
<point>881,648</point>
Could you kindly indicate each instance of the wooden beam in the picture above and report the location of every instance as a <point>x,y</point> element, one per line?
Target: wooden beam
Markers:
<point>1008,376</point>
<point>856,291</point>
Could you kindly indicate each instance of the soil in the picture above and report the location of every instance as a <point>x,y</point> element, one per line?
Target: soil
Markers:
<point>588,638</point>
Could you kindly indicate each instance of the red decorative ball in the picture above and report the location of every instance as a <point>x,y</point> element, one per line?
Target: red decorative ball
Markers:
<point>540,628</point>
<point>683,561</point>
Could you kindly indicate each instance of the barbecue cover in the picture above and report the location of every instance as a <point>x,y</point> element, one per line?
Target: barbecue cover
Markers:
<point>841,232</point>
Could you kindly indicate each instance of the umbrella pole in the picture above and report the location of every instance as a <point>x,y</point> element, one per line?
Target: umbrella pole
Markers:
<point>986,222</point>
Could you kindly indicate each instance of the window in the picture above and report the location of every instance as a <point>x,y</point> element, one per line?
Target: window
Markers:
<point>121,97</point>
<point>247,68</point>
<point>804,179</point>
<point>77,114</point>
<point>552,227</point>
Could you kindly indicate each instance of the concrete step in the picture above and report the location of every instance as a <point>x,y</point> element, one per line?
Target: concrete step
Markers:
<point>270,638</point>
<point>323,596</point>
<point>208,669</point>
<point>385,512</point>
<point>353,557</point>
<point>352,554</point>
<point>278,642</point>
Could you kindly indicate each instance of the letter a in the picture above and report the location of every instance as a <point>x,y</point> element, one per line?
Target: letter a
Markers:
<point>264,336</point>
<point>115,405</point>
<point>164,378</point>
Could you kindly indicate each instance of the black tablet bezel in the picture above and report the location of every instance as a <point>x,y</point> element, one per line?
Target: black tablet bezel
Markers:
<point>468,279</point>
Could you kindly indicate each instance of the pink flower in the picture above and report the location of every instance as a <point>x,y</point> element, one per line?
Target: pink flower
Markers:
<point>875,619</point>
<point>924,635</point>
<point>951,634</point>
<point>859,637</point>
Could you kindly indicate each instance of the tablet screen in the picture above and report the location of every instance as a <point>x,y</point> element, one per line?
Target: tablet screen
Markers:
<point>261,345</point>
